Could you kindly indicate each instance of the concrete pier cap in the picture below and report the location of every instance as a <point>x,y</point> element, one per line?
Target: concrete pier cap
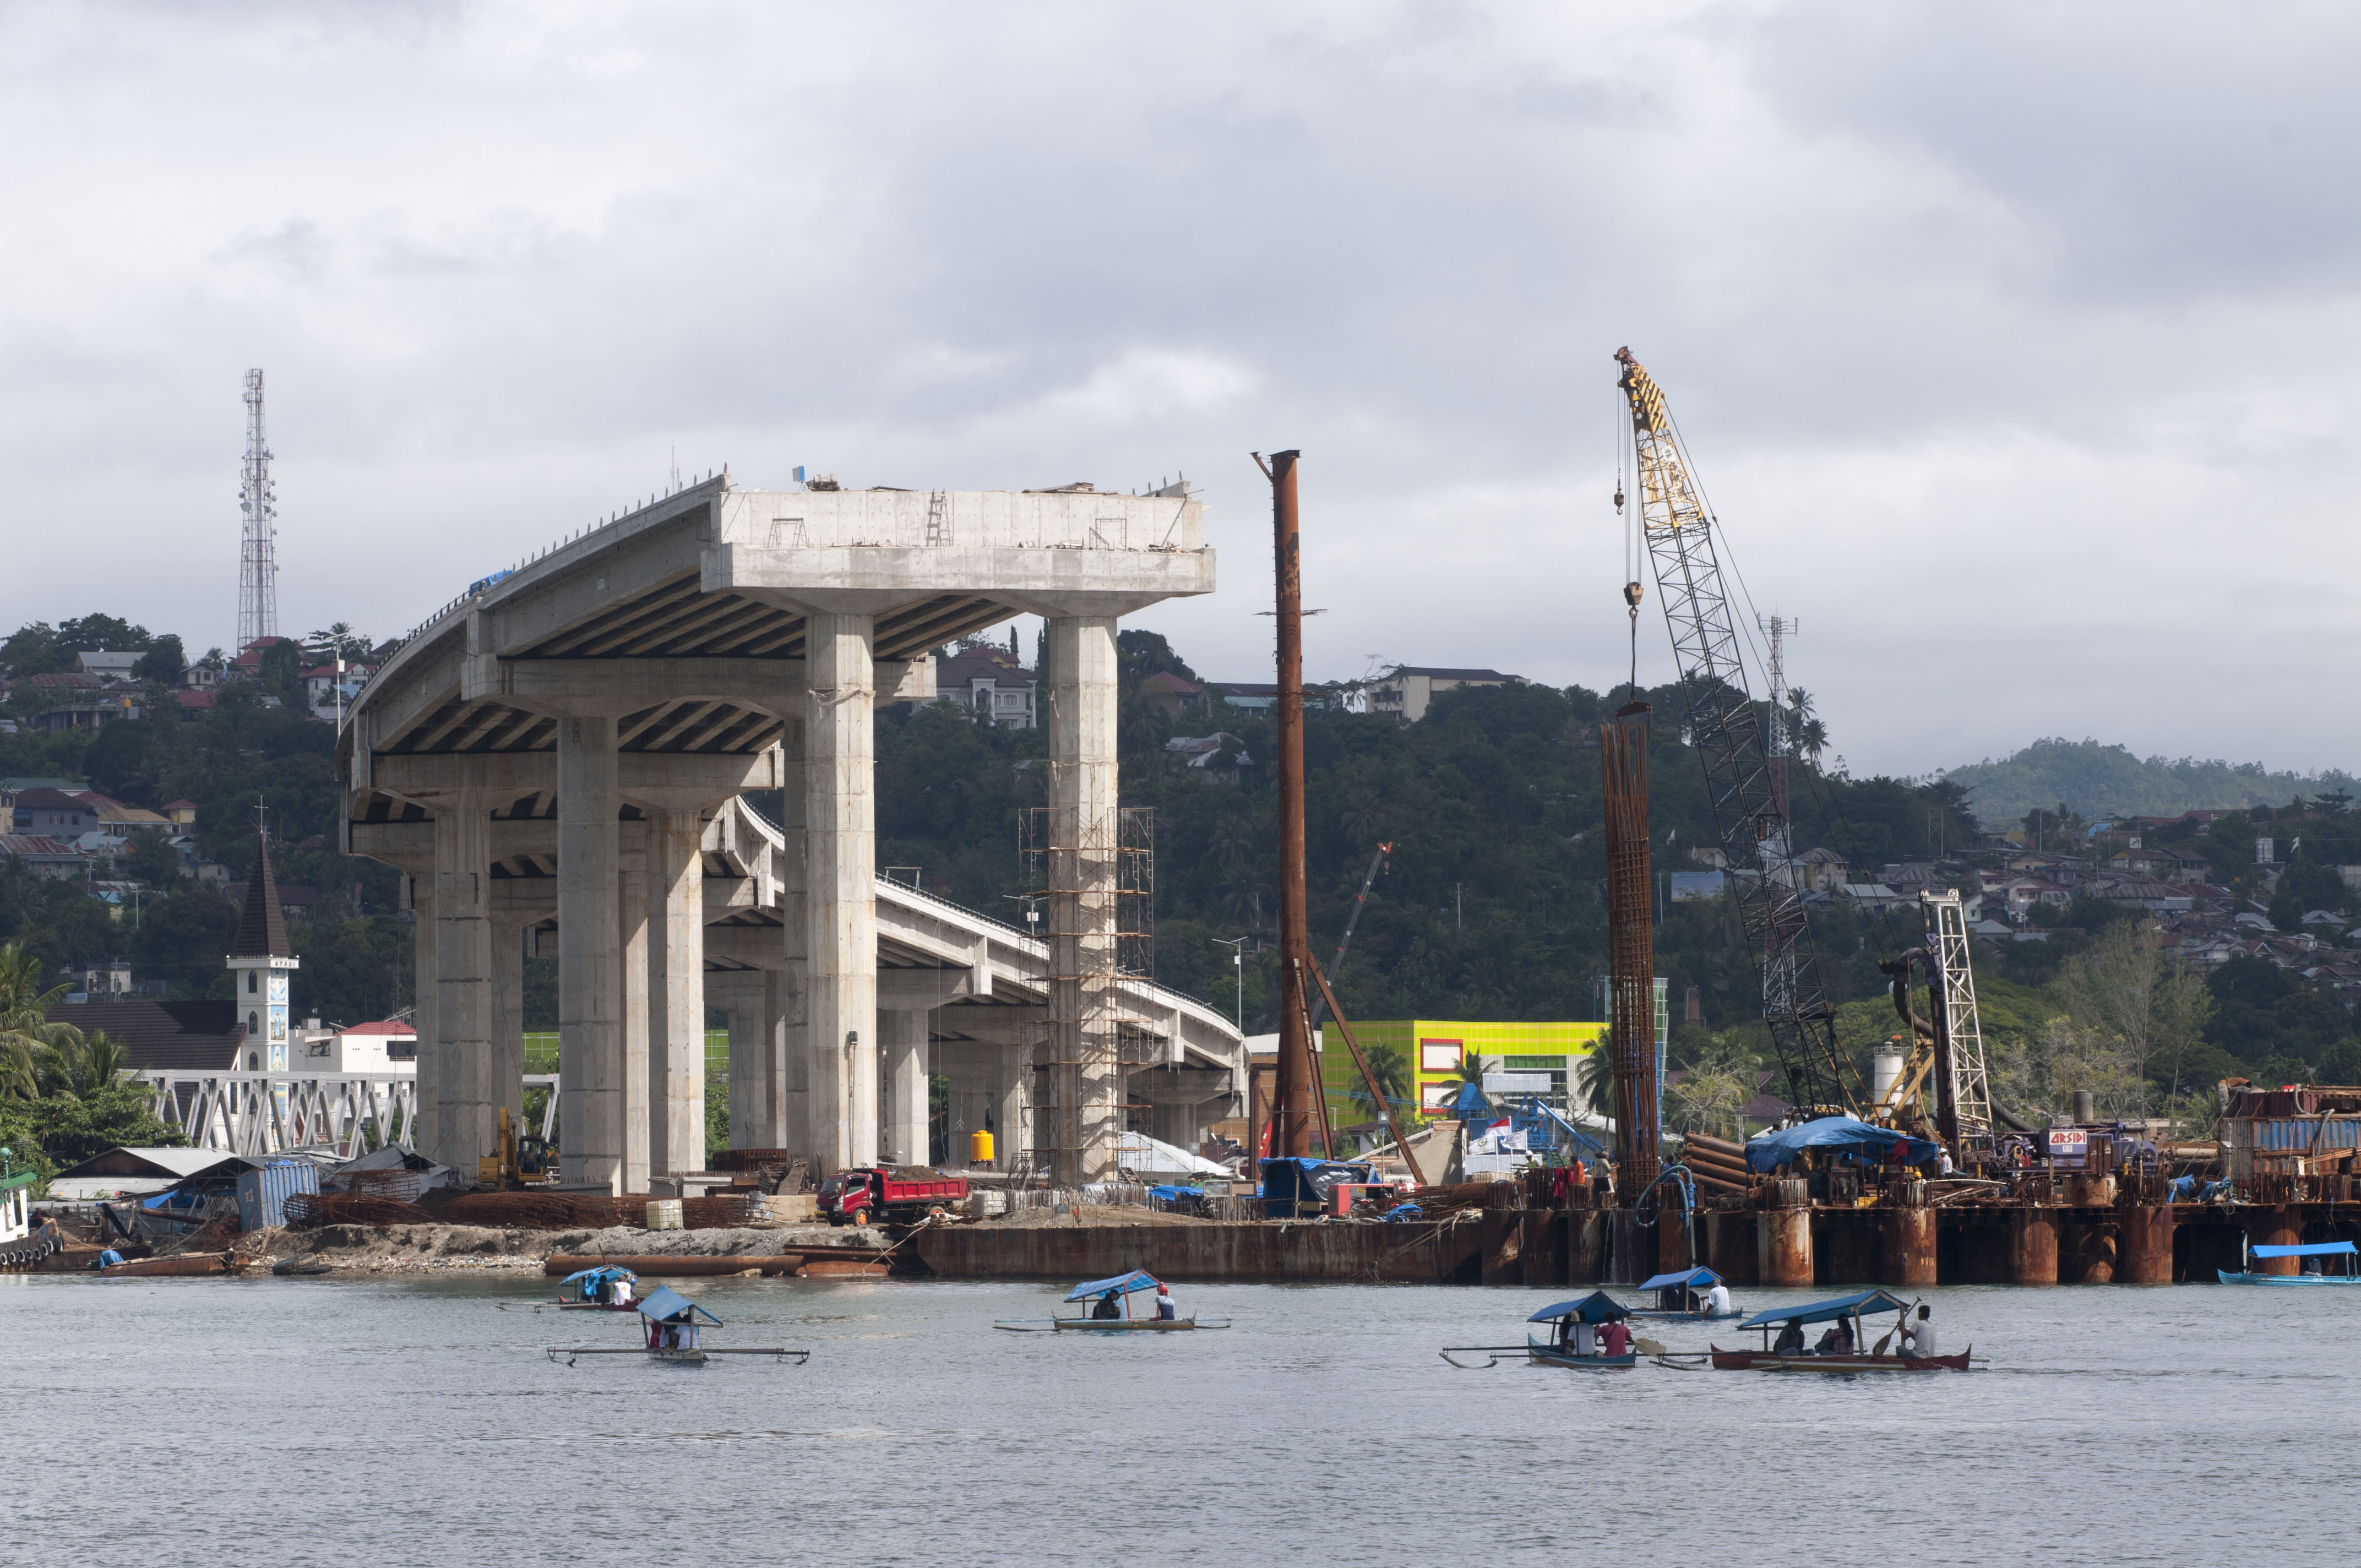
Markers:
<point>560,754</point>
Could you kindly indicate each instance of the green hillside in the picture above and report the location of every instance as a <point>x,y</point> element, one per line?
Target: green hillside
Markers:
<point>2102,782</point>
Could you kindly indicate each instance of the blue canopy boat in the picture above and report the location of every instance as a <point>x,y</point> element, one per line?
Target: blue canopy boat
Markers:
<point>1569,1342</point>
<point>2317,1276</point>
<point>595,1290</point>
<point>676,1333</point>
<point>1680,1297</point>
<point>1848,1309</point>
<point>1111,1310</point>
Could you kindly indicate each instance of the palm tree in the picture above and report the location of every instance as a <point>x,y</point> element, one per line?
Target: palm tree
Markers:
<point>27,1036</point>
<point>1591,1086</point>
<point>79,1069</point>
<point>1389,1065</point>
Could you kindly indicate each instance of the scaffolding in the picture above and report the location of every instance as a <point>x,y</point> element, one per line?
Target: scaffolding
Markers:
<point>1095,877</point>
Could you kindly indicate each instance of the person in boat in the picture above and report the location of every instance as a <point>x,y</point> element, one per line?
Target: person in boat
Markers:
<point>1717,1300</point>
<point>1614,1338</point>
<point>1167,1309</point>
<point>1107,1308</point>
<point>621,1289</point>
<point>1918,1344</point>
<point>1582,1338</point>
<point>1791,1339</point>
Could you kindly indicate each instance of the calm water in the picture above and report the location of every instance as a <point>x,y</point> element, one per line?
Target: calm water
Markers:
<point>273,1421</point>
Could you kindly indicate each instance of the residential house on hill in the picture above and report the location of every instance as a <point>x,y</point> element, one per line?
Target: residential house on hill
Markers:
<point>41,854</point>
<point>990,682</point>
<point>53,813</point>
<point>102,664</point>
<point>1821,869</point>
<point>1172,693</point>
<point>1408,690</point>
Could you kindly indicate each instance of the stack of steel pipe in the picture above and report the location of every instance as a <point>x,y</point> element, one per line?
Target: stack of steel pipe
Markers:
<point>1717,1163</point>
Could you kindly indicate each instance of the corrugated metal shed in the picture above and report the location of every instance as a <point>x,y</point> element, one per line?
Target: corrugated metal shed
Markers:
<point>262,1194</point>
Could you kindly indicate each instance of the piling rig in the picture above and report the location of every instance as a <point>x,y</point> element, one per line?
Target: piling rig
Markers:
<point>1726,729</point>
<point>1942,1087</point>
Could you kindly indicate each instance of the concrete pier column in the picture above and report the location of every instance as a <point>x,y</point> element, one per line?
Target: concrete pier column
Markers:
<point>505,1084</point>
<point>840,852</point>
<point>1785,1254</point>
<point>1906,1237</point>
<point>902,1036</point>
<point>463,980</point>
<point>2145,1244</point>
<point>2032,1246</point>
<point>792,984</point>
<point>632,965</point>
<point>1085,1089</point>
<point>1012,1101</point>
<point>424,1121</point>
<point>677,994</point>
<point>589,957</point>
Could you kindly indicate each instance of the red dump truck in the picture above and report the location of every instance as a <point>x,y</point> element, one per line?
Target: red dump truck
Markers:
<point>882,1192</point>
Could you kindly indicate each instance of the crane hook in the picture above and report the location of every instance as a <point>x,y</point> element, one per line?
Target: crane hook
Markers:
<point>1619,500</point>
<point>1631,594</point>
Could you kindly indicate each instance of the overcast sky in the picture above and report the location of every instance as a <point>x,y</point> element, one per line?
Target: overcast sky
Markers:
<point>2015,344</point>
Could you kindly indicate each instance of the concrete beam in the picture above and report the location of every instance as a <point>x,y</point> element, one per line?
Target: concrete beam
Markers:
<point>617,686</point>
<point>879,581</point>
<point>510,775</point>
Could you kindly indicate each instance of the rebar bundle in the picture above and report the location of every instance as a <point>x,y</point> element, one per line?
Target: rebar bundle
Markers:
<point>1631,946</point>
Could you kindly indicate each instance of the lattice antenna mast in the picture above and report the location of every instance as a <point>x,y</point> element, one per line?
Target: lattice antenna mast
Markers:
<point>1725,727</point>
<point>258,571</point>
<point>1781,746</point>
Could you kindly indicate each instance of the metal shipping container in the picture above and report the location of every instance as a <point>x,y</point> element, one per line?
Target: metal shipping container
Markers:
<point>262,1194</point>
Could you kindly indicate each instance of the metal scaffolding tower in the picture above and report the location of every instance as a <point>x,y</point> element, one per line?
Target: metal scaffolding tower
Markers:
<point>258,571</point>
<point>1097,881</point>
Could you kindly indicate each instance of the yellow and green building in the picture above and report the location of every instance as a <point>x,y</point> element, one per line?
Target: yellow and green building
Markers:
<point>1438,1050</point>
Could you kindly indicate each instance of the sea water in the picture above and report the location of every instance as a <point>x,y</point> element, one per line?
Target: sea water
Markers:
<point>405,1422</point>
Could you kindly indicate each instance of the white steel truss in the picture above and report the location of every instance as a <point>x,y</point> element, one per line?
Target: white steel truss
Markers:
<point>1970,1091</point>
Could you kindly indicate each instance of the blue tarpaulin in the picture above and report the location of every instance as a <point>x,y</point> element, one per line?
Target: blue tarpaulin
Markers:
<point>1829,1311</point>
<point>1294,1178</point>
<point>598,1276</point>
<point>1773,1150</point>
<point>1693,1280</point>
<point>2309,1249</point>
<point>1598,1307</point>
<point>1121,1284</point>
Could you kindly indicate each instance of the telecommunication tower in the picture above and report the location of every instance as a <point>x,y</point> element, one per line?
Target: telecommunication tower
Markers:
<point>258,571</point>
<point>1777,629</point>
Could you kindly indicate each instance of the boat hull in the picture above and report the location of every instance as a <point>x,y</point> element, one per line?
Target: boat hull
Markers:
<point>1120,1325</point>
<point>2227,1277</point>
<point>187,1265</point>
<point>1762,1361</point>
<point>1545,1355</point>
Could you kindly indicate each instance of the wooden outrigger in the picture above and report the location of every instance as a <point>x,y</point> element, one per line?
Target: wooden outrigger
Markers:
<point>2345,1250</point>
<point>1118,1290</point>
<point>1564,1346</point>
<point>674,1334</point>
<point>1844,1308</point>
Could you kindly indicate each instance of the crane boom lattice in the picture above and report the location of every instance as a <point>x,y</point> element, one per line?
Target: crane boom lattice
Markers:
<point>1726,729</point>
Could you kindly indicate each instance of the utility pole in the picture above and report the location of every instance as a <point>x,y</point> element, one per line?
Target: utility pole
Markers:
<point>1296,1109</point>
<point>1237,946</point>
<point>1458,906</point>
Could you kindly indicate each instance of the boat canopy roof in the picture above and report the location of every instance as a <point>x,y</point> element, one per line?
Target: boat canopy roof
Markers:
<point>1121,1285</point>
<point>1771,1150</point>
<point>1694,1278</point>
<point>2309,1249</point>
<point>602,1274</point>
<point>1829,1311</point>
<point>666,1305</point>
<point>1598,1307</point>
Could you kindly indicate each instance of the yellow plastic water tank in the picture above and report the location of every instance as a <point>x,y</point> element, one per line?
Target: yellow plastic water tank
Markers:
<point>979,1146</point>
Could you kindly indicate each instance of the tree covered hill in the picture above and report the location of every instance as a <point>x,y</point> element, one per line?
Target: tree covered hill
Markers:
<point>2101,783</point>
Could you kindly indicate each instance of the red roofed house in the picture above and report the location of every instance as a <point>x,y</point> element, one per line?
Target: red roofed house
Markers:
<point>387,1047</point>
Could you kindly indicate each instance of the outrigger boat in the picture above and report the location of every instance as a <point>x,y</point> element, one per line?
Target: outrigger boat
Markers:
<point>1559,1348</point>
<point>2345,1250</point>
<point>1680,1297</point>
<point>674,1334</point>
<point>594,1290</point>
<point>1119,1290</point>
<point>1844,1308</point>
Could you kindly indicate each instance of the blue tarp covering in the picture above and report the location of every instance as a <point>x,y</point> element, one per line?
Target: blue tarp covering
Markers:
<point>1598,1307</point>
<point>1696,1279</point>
<point>1169,1192</point>
<point>1829,1311</point>
<point>1773,1150</point>
<point>1122,1285</point>
<point>2309,1249</point>
<point>1294,1178</point>
<point>666,1305</point>
<point>598,1275</point>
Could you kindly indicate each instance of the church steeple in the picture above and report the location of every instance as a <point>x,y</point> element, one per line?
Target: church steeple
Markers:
<point>261,963</point>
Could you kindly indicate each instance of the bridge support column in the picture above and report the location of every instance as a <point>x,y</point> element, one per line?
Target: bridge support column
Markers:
<point>840,822</point>
<point>1011,1094</point>
<point>677,994</point>
<point>423,1123</point>
<point>631,967</point>
<point>1085,1089</point>
<point>504,1086</point>
<point>463,980</point>
<point>902,1035</point>
<point>589,957</point>
<point>794,1128</point>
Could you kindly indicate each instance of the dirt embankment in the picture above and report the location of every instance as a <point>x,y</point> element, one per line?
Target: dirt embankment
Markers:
<point>418,1249</point>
